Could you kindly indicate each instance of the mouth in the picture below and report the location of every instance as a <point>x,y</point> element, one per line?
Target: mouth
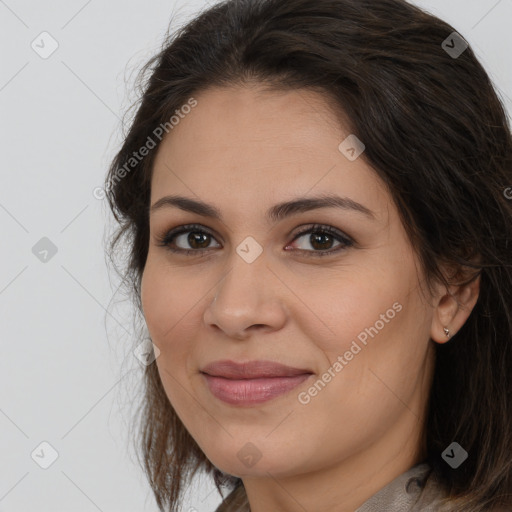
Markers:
<point>253,382</point>
<point>251,369</point>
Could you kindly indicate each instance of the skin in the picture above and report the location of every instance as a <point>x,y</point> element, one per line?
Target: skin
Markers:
<point>243,150</point>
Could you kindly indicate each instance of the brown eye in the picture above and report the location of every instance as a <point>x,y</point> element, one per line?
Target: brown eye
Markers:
<point>321,239</point>
<point>187,240</point>
<point>196,239</point>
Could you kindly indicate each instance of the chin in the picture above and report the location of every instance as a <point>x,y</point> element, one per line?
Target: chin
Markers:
<point>251,461</point>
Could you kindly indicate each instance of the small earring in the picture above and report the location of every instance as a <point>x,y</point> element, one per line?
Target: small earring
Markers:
<point>446,331</point>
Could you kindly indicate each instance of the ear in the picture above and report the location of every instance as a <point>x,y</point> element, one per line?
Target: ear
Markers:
<point>452,308</point>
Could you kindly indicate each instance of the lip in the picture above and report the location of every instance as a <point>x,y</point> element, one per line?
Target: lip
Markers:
<point>251,369</point>
<point>252,382</point>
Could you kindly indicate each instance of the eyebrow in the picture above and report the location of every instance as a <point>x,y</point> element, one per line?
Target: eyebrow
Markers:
<point>274,214</point>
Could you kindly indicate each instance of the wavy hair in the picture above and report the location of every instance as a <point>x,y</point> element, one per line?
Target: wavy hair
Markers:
<point>436,132</point>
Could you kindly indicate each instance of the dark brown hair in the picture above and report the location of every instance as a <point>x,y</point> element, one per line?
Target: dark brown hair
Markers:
<point>435,132</point>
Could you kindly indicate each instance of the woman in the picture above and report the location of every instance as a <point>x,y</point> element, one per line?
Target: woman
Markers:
<point>314,194</point>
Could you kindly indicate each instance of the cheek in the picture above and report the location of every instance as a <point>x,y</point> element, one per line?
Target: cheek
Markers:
<point>172,303</point>
<point>350,307</point>
<point>168,313</point>
<point>165,300</point>
<point>367,322</point>
<point>373,368</point>
<point>153,300</point>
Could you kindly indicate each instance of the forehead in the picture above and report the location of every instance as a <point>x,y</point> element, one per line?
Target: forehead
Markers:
<point>238,118</point>
<point>247,145</point>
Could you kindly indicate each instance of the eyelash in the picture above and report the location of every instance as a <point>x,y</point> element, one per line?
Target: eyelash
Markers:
<point>167,238</point>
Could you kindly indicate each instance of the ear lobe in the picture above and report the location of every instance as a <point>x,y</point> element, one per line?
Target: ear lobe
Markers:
<point>444,315</point>
<point>453,309</point>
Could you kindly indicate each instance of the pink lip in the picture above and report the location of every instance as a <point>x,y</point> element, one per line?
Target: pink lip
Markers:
<point>252,382</point>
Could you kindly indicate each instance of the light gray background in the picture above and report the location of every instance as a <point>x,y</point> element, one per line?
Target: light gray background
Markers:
<point>66,368</point>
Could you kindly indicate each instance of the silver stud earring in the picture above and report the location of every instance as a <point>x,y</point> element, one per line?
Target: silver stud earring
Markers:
<point>446,331</point>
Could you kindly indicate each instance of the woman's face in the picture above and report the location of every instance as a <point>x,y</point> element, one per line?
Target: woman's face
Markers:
<point>252,288</point>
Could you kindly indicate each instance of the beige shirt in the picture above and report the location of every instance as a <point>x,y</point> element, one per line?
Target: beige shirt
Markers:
<point>412,491</point>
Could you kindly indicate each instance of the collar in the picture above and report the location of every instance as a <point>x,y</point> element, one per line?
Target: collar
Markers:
<point>406,493</point>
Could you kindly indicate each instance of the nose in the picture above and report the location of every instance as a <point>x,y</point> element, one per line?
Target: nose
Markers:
<point>249,298</point>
